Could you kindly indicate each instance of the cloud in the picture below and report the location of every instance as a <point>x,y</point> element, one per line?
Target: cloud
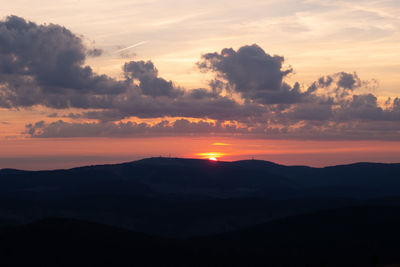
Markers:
<point>349,130</point>
<point>44,65</point>
<point>251,72</point>
<point>61,128</point>
<point>348,80</point>
<point>220,144</point>
<point>248,69</point>
<point>95,52</point>
<point>150,83</point>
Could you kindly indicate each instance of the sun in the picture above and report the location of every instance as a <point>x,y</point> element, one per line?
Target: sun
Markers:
<point>212,156</point>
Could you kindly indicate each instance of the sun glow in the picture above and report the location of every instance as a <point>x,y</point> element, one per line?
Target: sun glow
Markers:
<point>213,156</point>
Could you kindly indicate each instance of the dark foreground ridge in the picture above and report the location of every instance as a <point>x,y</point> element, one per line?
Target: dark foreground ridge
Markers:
<point>188,212</point>
<point>190,197</point>
<point>364,236</point>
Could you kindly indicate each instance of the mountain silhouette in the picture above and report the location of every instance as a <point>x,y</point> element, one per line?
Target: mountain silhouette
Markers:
<point>193,178</point>
<point>189,197</point>
<point>362,236</point>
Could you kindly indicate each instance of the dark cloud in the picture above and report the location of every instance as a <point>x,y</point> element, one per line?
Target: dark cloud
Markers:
<point>150,83</point>
<point>178,127</point>
<point>310,112</point>
<point>127,54</point>
<point>322,130</point>
<point>95,52</point>
<point>53,115</point>
<point>365,107</point>
<point>249,68</point>
<point>44,65</point>
<point>396,105</point>
<point>188,105</point>
<point>251,72</point>
<point>69,115</point>
<point>348,80</point>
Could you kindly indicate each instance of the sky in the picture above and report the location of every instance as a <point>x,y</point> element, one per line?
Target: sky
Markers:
<point>309,82</point>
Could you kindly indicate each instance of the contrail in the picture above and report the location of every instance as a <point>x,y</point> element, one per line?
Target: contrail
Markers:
<point>132,46</point>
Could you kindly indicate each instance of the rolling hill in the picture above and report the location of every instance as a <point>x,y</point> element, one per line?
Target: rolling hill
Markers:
<point>187,197</point>
<point>363,236</point>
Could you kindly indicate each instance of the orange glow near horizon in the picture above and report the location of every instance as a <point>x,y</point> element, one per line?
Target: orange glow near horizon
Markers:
<point>49,153</point>
<point>214,156</point>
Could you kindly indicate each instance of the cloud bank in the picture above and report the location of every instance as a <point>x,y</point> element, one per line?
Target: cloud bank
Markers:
<point>44,65</point>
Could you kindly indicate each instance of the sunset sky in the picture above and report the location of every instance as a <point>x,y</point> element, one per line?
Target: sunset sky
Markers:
<point>312,82</point>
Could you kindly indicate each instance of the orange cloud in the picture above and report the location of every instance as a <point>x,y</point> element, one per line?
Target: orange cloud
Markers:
<point>220,144</point>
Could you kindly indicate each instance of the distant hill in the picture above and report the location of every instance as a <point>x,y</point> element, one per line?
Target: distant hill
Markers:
<point>193,178</point>
<point>363,236</point>
<point>190,197</point>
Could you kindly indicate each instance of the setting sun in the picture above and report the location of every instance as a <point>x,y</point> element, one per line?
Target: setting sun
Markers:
<point>209,133</point>
<point>214,156</point>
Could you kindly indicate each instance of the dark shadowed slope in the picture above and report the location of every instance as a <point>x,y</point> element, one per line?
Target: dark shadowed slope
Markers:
<point>167,217</point>
<point>66,242</point>
<point>192,178</point>
<point>188,197</point>
<point>341,237</point>
<point>156,176</point>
